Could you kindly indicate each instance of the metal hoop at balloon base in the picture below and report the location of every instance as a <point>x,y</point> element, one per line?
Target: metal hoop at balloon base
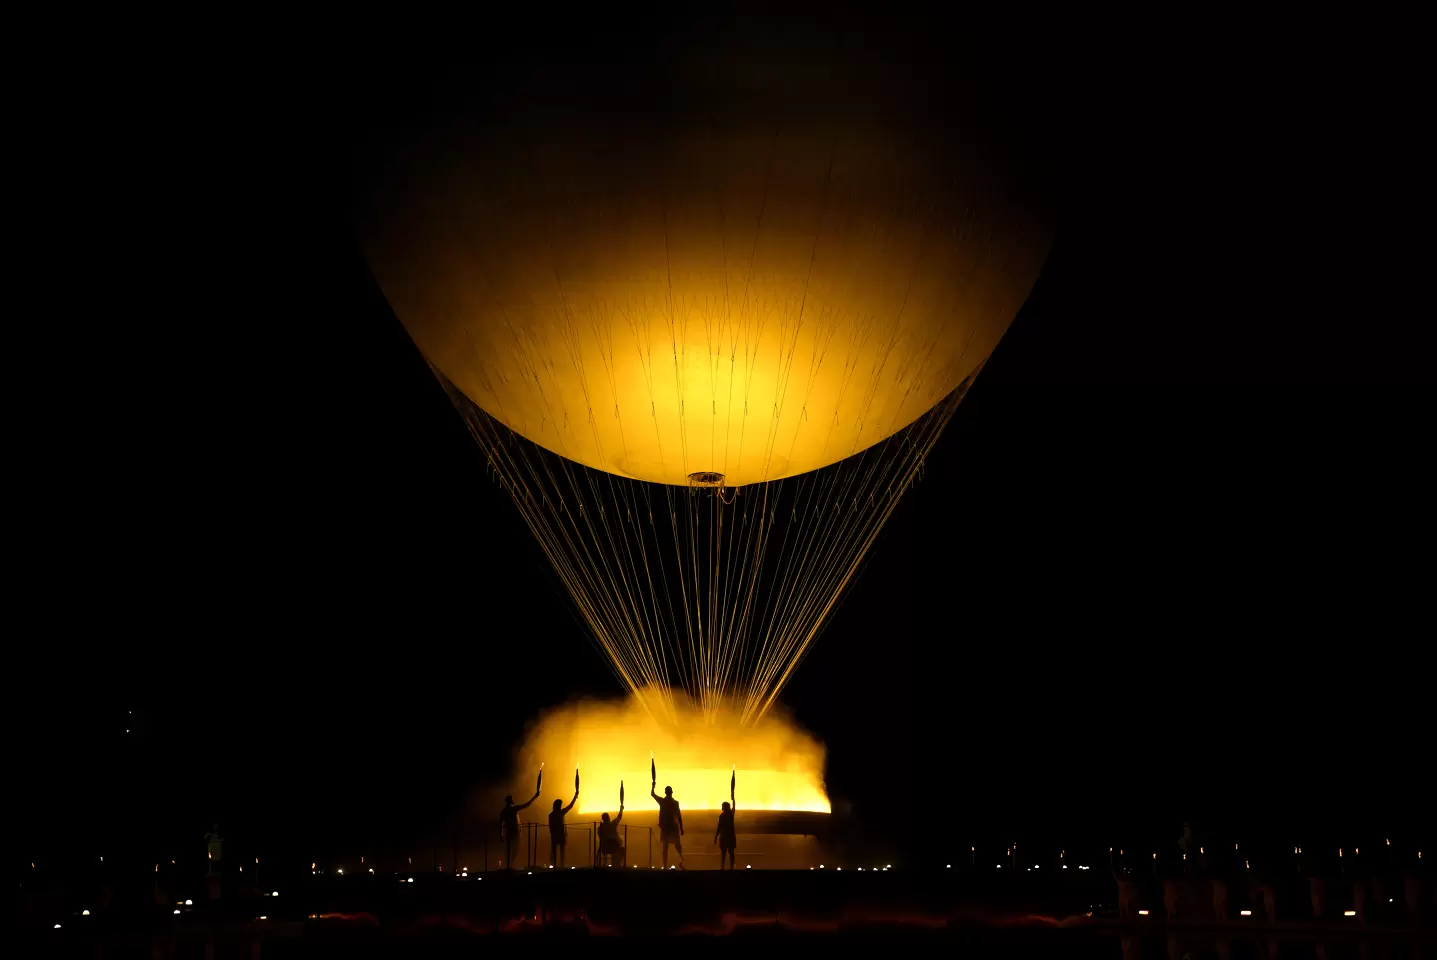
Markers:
<point>708,479</point>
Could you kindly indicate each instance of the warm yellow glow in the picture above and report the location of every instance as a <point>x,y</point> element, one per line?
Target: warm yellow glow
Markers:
<point>752,301</point>
<point>777,765</point>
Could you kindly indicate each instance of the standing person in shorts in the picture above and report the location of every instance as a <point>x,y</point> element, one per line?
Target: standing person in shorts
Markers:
<point>671,824</point>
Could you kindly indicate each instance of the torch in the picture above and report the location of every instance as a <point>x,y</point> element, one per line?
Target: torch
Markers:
<point>621,793</point>
<point>653,771</point>
<point>576,781</point>
<point>540,784</point>
<point>732,781</point>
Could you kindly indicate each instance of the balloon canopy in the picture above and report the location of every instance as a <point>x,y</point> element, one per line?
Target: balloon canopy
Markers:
<point>748,287</point>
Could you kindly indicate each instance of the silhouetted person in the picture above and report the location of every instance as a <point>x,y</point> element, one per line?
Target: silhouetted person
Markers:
<point>557,833</point>
<point>215,847</point>
<point>725,837</point>
<point>509,826</point>
<point>611,850</point>
<point>1129,893</point>
<point>1312,867</point>
<point>671,824</point>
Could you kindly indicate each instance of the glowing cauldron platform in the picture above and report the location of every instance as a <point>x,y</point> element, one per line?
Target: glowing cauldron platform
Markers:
<point>767,839</point>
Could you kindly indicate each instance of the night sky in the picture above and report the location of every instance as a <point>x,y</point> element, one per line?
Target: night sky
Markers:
<point>1166,563</point>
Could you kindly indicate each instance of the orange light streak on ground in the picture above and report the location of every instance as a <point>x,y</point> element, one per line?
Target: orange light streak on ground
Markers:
<point>780,765</point>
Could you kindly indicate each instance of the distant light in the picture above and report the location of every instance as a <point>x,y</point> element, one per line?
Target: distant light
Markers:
<point>1065,866</point>
<point>341,871</point>
<point>748,866</point>
<point>177,913</point>
<point>410,880</point>
<point>950,866</point>
<point>84,913</point>
<point>57,926</point>
<point>1349,913</point>
<point>275,894</point>
<point>887,865</point>
<point>997,866</point>
<point>189,903</point>
<point>266,917</point>
<point>371,869</point>
<point>1245,913</point>
<point>820,866</point>
<point>838,868</point>
<point>1142,913</point>
<point>530,874</point>
<point>1036,866</point>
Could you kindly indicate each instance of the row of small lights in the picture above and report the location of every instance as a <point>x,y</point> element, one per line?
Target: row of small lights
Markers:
<point>997,866</point>
<point>1248,913</point>
<point>883,869</point>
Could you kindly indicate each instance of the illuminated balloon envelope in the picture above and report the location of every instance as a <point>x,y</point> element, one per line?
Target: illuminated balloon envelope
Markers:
<point>706,359</point>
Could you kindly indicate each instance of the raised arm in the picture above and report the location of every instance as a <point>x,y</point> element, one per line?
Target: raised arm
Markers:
<point>572,802</point>
<point>621,814</point>
<point>525,804</point>
<point>654,792</point>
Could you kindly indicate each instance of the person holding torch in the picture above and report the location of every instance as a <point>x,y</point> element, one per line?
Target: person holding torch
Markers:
<point>671,819</point>
<point>611,850</point>
<point>509,820</point>
<point>558,836</point>
<point>724,834</point>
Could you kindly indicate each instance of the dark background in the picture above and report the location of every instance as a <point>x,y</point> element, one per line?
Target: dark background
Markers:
<point>1167,561</point>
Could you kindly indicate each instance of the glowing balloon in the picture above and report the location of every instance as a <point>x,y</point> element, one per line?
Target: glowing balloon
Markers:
<point>752,297</point>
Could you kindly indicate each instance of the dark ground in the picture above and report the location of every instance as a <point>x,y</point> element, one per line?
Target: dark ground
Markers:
<point>918,910</point>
